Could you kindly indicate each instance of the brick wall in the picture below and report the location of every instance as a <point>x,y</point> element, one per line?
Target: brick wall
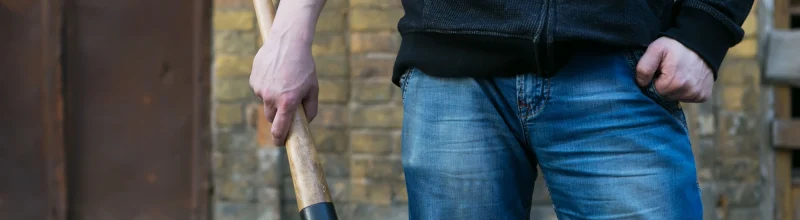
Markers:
<point>357,130</point>
<point>246,184</point>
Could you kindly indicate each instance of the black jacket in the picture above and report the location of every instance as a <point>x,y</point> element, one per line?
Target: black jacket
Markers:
<point>507,37</point>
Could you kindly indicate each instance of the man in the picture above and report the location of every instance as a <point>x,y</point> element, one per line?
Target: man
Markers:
<point>588,90</point>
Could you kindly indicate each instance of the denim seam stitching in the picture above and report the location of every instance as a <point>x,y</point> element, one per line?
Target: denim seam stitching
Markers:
<point>682,118</point>
<point>521,115</point>
<point>670,105</point>
<point>520,98</point>
<point>545,96</point>
<point>404,82</point>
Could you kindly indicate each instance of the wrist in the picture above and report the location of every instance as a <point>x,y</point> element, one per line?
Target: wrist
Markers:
<point>296,20</point>
<point>290,34</point>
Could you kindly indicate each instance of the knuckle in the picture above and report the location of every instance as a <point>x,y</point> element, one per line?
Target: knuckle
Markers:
<point>642,71</point>
<point>288,101</point>
<point>683,83</point>
<point>286,105</point>
<point>277,134</point>
<point>669,68</point>
<point>693,95</point>
<point>268,100</point>
<point>658,46</point>
<point>699,90</point>
<point>290,96</point>
<point>698,98</point>
<point>697,95</point>
<point>265,93</point>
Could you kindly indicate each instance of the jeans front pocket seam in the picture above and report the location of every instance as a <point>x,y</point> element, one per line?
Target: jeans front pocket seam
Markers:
<point>671,106</point>
<point>665,102</point>
<point>404,82</point>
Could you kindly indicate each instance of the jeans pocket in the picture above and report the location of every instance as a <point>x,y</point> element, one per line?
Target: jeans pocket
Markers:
<point>672,106</point>
<point>404,82</point>
<point>668,104</point>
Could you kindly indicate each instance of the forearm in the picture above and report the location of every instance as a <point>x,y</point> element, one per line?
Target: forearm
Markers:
<point>710,27</point>
<point>296,20</point>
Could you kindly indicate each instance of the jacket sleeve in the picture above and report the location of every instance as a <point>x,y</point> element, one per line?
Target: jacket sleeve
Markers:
<point>709,27</point>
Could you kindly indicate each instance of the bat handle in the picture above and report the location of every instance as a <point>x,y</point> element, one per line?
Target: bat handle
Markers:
<point>312,191</point>
<point>265,13</point>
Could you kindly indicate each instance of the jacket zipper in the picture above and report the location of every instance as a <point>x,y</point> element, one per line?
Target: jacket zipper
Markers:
<point>549,39</point>
<point>540,40</point>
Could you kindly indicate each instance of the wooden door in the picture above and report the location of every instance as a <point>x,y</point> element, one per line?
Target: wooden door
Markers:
<point>136,76</point>
<point>122,88</point>
<point>786,127</point>
<point>31,146</point>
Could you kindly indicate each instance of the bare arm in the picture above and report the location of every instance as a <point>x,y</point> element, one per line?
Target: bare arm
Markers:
<point>284,75</point>
<point>297,19</point>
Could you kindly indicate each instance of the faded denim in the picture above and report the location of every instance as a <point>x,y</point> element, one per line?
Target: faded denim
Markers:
<point>607,148</point>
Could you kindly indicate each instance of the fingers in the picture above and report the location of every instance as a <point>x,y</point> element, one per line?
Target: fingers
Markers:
<point>649,64</point>
<point>283,119</point>
<point>310,103</point>
<point>270,111</point>
<point>686,89</point>
<point>279,112</point>
<point>683,75</point>
<point>675,89</point>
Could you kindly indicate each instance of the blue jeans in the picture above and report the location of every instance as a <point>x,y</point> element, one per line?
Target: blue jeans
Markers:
<point>608,149</point>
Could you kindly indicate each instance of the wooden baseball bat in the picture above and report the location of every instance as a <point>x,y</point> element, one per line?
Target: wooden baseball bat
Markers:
<point>313,196</point>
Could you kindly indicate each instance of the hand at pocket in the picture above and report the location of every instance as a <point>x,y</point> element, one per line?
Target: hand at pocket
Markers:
<point>683,77</point>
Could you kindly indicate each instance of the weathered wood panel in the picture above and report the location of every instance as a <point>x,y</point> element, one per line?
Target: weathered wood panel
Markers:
<point>786,134</point>
<point>137,106</point>
<point>32,182</point>
<point>782,55</point>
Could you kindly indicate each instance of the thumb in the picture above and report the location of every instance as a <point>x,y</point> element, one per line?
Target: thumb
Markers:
<point>310,104</point>
<point>648,65</point>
